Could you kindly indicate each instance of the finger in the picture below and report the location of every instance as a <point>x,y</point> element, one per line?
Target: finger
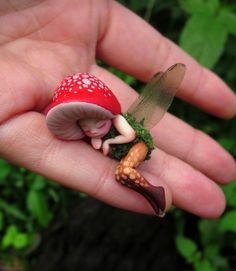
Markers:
<point>178,138</point>
<point>6,6</point>
<point>24,85</point>
<point>191,190</point>
<point>194,147</point>
<point>74,164</point>
<point>77,165</point>
<point>141,51</point>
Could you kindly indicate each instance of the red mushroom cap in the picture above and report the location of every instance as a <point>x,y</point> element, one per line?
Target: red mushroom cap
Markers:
<point>84,87</point>
<point>80,96</point>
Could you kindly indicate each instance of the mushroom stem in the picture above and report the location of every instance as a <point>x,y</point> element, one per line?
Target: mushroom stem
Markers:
<point>127,175</point>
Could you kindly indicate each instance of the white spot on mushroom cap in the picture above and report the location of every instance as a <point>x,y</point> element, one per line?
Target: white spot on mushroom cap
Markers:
<point>79,81</point>
<point>86,81</point>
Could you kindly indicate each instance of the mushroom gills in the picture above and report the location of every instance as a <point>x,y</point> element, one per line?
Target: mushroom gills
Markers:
<point>63,119</point>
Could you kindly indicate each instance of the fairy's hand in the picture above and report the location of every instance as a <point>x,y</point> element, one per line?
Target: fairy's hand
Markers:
<point>43,41</point>
<point>96,143</point>
<point>106,147</point>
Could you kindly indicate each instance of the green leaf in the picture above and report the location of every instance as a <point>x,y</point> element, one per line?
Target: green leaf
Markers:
<point>227,143</point>
<point>12,210</point>
<point>228,222</point>
<point>137,5</point>
<point>204,38</point>
<point>230,193</point>
<point>14,238</point>
<point>5,169</point>
<point>38,206</point>
<point>203,265</point>
<point>186,247</point>
<point>21,240</point>
<point>200,7</point>
<point>212,251</point>
<point>209,230</point>
<point>228,19</point>
<point>129,80</point>
<point>9,236</point>
<point>1,220</point>
<point>53,194</point>
<point>39,182</point>
<point>221,262</point>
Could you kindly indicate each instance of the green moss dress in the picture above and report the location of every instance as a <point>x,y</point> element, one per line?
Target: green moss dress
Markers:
<point>118,151</point>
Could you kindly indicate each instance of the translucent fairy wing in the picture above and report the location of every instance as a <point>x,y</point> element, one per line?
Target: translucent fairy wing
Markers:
<point>145,92</point>
<point>157,96</point>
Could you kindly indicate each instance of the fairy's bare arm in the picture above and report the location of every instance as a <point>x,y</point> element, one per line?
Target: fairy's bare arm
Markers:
<point>126,133</point>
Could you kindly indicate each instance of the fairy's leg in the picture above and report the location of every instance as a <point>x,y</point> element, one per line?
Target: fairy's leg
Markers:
<point>127,175</point>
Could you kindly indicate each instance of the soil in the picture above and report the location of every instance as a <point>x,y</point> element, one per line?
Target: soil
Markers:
<point>96,236</point>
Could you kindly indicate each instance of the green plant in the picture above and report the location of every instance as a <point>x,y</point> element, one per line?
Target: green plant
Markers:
<point>214,249</point>
<point>205,36</point>
<point>206,31</point>
<point>27,206</point>
<point>120,150</point>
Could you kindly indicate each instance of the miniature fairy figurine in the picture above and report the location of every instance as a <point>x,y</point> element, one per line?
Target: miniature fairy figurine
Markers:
<point>83,106</point>
<point>96,130</point>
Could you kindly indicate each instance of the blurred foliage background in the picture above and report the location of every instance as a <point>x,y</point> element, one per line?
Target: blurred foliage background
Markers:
<point>206,29</point>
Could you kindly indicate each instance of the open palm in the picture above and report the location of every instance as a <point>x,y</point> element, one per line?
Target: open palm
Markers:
<point>43,41</point>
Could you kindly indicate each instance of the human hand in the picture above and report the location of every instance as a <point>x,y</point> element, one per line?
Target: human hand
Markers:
<point>43,41</point>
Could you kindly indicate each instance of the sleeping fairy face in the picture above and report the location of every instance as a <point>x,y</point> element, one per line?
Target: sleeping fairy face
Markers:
<point>95,128</point>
